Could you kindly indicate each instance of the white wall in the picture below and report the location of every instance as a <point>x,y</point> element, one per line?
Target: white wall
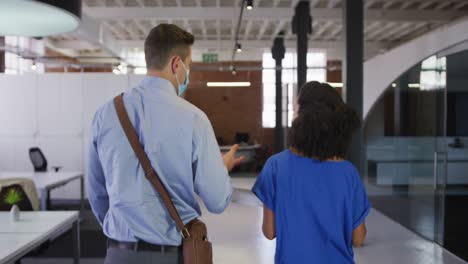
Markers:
<point>382,70</point>
<point>54,112</point>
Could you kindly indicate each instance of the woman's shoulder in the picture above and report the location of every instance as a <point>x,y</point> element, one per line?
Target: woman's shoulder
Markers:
<point>280,157</point>
<point>277,160</point>
<point>345,164</point>
<point>344,167</point>
<point>287,157</point>
<point>348,169</point>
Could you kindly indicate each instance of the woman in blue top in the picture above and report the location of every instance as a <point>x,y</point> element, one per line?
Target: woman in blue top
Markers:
<point>314,200</point>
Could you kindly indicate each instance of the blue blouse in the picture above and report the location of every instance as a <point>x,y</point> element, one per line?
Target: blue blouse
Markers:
<point>317,205</point>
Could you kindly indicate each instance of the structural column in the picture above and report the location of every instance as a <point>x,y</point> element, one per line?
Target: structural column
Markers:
<point>302,26</point>
<point>353,28</point>
<point>400,95</point>
<point>2,55</point>
<point>278,51</point>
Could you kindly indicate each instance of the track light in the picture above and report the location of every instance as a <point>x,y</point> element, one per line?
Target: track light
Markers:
<point>249,4</point>
<point>116,70</point>
<point>238,47</point>
<point>122,68</point>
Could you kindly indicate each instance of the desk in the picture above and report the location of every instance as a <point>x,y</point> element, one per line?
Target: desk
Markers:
<point>46,181</point>
<point>415,171</point>
<point>247,151</point>
<point>33,229</point>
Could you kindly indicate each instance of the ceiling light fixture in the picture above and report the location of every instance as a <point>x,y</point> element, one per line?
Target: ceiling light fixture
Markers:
<point>249,5</point>
<point>336,85</point>
<point>238,47</point>
<point>233,70</point>
<point>116,71</point>
<point>414,85</point>
<point>228,84</point>
<point>39,18</point>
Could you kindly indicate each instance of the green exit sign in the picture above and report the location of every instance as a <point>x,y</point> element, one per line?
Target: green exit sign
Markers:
<point>210,57</point>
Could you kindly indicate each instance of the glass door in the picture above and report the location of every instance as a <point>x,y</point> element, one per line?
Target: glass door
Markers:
<point>454,153</point>
<point>406,156</point>
<point>417,150</point>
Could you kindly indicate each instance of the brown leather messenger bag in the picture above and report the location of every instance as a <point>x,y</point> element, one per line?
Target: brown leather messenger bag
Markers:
<point>196,248</point>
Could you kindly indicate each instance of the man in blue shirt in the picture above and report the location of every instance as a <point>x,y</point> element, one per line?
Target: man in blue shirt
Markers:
<point>180,142</point>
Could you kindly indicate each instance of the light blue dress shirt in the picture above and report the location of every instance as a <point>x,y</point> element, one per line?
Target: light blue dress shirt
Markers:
<point>180,142</point>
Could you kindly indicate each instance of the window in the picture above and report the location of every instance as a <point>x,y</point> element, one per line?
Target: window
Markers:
<point>16,64</point>
<point>433,73</point>
<point>316,63</point>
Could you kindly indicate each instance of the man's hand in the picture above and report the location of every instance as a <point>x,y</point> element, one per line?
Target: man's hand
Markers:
<point>230,160</point>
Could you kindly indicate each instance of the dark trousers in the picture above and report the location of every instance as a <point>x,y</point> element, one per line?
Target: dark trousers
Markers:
<point>125,256</point>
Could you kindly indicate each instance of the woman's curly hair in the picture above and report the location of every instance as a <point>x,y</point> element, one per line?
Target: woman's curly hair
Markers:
<point>324,124</point>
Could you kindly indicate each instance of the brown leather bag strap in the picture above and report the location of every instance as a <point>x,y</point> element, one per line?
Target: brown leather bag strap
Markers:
<point>150,173</point>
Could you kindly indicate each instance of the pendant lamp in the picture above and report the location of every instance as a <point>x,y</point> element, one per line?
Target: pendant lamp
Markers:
<point>39,18</point>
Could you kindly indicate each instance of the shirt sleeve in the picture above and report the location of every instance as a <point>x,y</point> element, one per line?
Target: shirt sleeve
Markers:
<point>361,204</point>
<point>212,182</point>
<point>265,186</point>
<point>97,192</point>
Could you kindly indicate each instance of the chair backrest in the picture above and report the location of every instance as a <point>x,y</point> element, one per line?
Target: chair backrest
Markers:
<point>38,159</point>
<point>14,194</point>
<point>242,137</point>
<point>220,141</point>
<point>20,191</point>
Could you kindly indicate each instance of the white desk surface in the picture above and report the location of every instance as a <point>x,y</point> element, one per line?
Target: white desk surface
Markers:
<point>37,221</point>
<point>247,151</point>
<point>241,148</point>
<point>11,244</point>
<point>32,229</point>
<point>43,179</point>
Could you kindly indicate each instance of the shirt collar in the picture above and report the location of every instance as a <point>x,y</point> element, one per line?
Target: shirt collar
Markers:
<point>153,82</point>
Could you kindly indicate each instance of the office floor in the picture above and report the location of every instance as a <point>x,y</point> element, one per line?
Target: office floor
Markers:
<point>237,238</point>
<point>417,213</point>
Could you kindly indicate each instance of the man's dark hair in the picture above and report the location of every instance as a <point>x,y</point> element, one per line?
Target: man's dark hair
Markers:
<point>324,125</point>
<point>164,41</point>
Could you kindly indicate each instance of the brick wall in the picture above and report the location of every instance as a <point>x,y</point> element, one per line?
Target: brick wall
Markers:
<point>334,73</point>
<point>230,109</point>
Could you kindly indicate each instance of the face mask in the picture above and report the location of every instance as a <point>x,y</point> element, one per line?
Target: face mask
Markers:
<point>183,86</point>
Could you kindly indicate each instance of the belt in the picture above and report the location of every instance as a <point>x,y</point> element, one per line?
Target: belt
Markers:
<point>140,246</point>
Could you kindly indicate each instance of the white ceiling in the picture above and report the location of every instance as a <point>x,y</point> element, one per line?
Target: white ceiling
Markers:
<point>120,26</point>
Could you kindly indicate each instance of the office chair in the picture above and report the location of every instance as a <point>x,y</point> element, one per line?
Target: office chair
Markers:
<point>242,138</point>
<point>38,159</point>
<point>220,141</point>
<point>16,192</point>
<point>22,192</point>
<point>261,156</point>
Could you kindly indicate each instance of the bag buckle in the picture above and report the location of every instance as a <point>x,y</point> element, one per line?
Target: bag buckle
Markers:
<point>185,233</point>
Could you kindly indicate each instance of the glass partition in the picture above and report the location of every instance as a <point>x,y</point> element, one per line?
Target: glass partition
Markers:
<point>416,147</point>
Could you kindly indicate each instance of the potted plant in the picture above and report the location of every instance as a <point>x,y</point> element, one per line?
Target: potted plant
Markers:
<point>13,197</point>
